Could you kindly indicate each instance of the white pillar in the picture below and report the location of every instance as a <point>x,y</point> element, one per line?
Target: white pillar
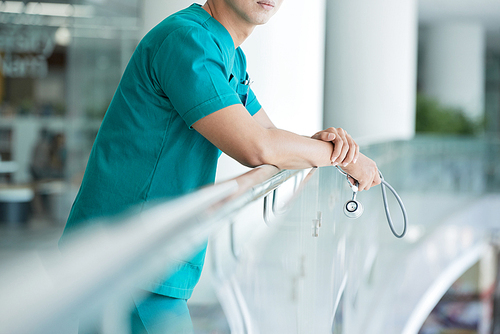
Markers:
<point>453,65</point>
<point>370,74</point>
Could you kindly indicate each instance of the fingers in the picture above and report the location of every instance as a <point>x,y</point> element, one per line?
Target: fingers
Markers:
<point>338,146</point>
<point>367,183</point>
<point>376,180</point>
<point>343,142</point>
<point>324,135</point>
<point>352,180</point>
<point>353,152</point>
<point>363,184</point>
<point>365,171</point>
<point>345,150</point>
<point>356,155</point>
<point>327,136</point>
<point>372,179</point>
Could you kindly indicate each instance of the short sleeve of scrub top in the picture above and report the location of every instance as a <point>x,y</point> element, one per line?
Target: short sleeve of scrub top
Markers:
<point>200,64</point>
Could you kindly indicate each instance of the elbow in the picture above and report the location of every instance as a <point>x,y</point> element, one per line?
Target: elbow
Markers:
<point>257,150</point>
<point>259,154</point>
<point>253,159</point>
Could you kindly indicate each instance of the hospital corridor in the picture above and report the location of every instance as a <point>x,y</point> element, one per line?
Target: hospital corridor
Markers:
<point>268,250</point>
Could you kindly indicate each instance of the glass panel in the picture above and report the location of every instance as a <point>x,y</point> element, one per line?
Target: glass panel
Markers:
<point>290,280</point>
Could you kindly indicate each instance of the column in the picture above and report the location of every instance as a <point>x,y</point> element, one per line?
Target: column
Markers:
<point>453,65</point>
<point>370,70</point>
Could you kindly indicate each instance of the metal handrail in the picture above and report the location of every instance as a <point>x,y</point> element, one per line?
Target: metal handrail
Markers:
<point>274,189</point>
<point>117,256</point>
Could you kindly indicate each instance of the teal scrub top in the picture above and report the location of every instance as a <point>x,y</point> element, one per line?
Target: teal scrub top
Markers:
<point>184,69</point>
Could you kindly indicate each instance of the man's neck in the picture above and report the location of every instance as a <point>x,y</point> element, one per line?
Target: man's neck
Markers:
<point>237,28</point>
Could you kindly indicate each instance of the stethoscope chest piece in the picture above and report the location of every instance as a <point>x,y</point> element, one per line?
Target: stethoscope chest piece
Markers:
<point>352,208</point>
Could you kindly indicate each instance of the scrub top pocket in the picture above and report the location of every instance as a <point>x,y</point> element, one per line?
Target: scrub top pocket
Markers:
<point>240,88</point>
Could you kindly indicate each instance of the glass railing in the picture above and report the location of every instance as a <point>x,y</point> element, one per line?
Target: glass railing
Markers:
<point>304,268</point>
<point>317,271</point>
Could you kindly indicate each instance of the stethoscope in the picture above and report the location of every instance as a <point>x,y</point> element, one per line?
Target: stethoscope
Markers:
<point>354,209</point>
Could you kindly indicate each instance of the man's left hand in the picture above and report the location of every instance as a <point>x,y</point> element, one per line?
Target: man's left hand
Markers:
<point>345,150</point>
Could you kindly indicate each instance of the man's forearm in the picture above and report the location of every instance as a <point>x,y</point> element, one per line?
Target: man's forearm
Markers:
<point>287,150</point>
<point>241,137</point>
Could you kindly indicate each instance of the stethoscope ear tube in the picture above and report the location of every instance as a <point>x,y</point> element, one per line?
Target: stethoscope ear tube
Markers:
<point>386,207</point>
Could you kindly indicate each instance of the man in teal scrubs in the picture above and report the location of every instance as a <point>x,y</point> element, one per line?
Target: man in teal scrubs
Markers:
<point>183,98</point>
